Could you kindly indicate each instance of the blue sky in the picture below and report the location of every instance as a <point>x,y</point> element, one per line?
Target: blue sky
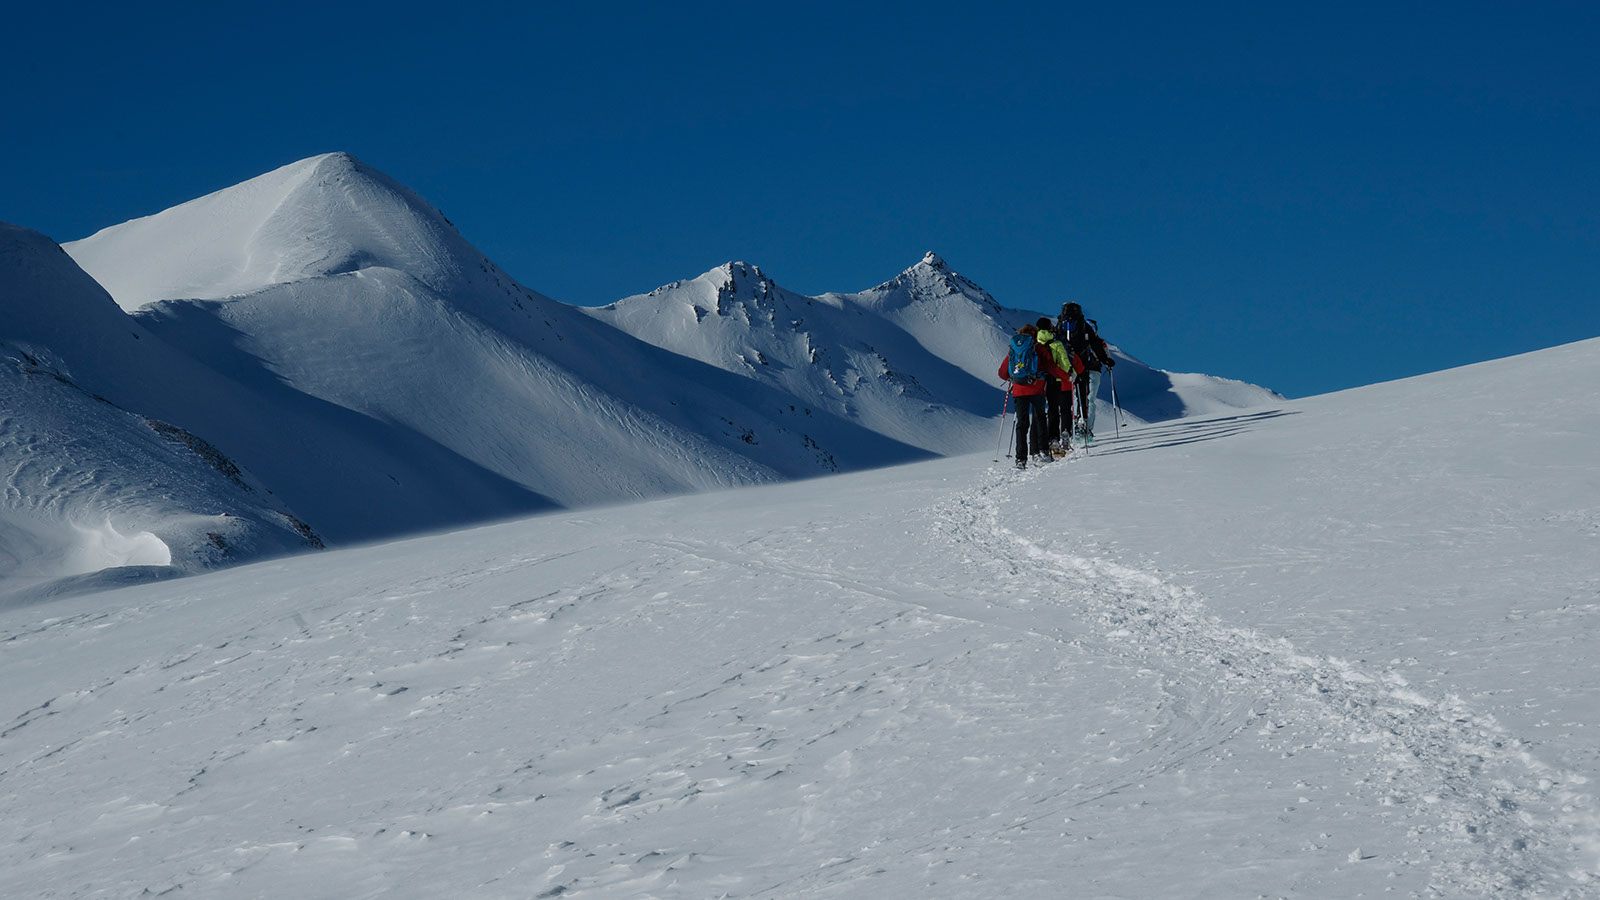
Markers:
<point>1306,197</point>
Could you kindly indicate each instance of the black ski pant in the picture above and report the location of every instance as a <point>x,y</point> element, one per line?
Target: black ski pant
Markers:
<point>1030,425</point>
<point>1058,409</point>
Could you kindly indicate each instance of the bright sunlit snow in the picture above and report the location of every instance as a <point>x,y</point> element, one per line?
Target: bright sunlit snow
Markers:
<point>1337,647</point>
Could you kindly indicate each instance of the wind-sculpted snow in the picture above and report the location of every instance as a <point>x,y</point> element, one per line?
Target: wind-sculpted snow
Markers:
<point>92,480</point>
<point>1255,654</point>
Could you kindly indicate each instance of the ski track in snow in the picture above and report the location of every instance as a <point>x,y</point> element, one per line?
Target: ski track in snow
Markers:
<point>1487,817</point>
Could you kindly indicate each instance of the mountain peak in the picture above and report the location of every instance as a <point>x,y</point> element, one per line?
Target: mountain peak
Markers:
<point>323,215</point>
<point>733,273</point>
<point>930,278</point>
<point>340,158</point>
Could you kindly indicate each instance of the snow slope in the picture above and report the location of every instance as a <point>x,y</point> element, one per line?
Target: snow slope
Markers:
<point>89,484</point>
<point>1256,654</point>
<point>326,471</point>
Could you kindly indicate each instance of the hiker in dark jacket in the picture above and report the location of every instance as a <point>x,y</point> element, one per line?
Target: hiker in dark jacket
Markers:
<point>1082,339</point>
<point>1026,367</point>
<point>1057,394</point>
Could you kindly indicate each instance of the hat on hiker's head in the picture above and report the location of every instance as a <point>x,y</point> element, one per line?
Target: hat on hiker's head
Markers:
<point>1071,311</point>
<point>1044,324</point>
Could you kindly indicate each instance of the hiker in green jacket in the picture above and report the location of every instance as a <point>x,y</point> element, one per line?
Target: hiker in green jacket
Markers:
<point>1058,396</point>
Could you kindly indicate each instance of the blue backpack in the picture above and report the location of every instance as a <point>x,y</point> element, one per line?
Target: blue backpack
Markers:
<point>1024,360</point>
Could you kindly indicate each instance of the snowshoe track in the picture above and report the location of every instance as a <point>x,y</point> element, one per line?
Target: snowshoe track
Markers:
<point>1484,815</point>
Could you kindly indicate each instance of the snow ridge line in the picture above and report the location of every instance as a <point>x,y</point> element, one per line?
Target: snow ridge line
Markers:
<point>1494,820</point>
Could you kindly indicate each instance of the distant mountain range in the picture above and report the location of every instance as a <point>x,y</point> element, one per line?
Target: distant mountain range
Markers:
<point>317,355</point>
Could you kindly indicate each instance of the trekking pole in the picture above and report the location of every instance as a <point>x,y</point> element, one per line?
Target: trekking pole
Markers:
<point>1000,443</point>
<point>1080,413</point>
<point>1115,406</point>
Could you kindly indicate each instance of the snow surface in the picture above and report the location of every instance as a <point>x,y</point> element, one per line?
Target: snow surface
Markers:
<point>1337,647</point>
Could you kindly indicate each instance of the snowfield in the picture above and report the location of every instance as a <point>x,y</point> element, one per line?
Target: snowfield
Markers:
<point>1336,647</point>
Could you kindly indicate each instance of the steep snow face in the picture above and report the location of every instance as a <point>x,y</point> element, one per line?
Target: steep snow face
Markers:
<point>51,306</point>
<point>327,215</point>
<point>90,484</point>
<point>386,347</point>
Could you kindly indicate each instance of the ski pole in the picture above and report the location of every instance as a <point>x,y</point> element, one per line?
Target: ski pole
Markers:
<point>1084,412</point>
<point>1000,443</point>
<point>1115,406</point>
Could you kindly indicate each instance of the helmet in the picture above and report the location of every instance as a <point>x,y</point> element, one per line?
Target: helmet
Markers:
<point>1071,311</point>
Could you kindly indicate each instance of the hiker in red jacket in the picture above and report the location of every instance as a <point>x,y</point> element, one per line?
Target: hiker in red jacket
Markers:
<point>1027,369</point>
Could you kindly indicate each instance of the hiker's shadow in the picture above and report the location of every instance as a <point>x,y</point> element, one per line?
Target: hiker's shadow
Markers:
<point>1178,433</point>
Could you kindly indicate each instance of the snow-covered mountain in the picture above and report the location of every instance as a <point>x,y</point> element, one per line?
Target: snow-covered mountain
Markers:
<point>914,357</point>
<point>329,333</point>
<point>1256,654</point>
<point>338,284</point>
<point>829,353</point>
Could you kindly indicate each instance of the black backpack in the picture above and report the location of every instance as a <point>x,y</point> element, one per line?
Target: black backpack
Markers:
<point>1082,340</point>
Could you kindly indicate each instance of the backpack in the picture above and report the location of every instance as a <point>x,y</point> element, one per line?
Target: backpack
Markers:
<point>1023,363</point>
<point>1081,340</point>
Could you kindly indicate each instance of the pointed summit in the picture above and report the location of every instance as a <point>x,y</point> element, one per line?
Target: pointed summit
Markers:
<point>325,215</point>
<point>741,281</point>
<point>930,279</point>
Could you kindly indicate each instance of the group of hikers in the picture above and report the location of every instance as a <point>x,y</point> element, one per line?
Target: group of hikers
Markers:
<point>1047,365</point>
